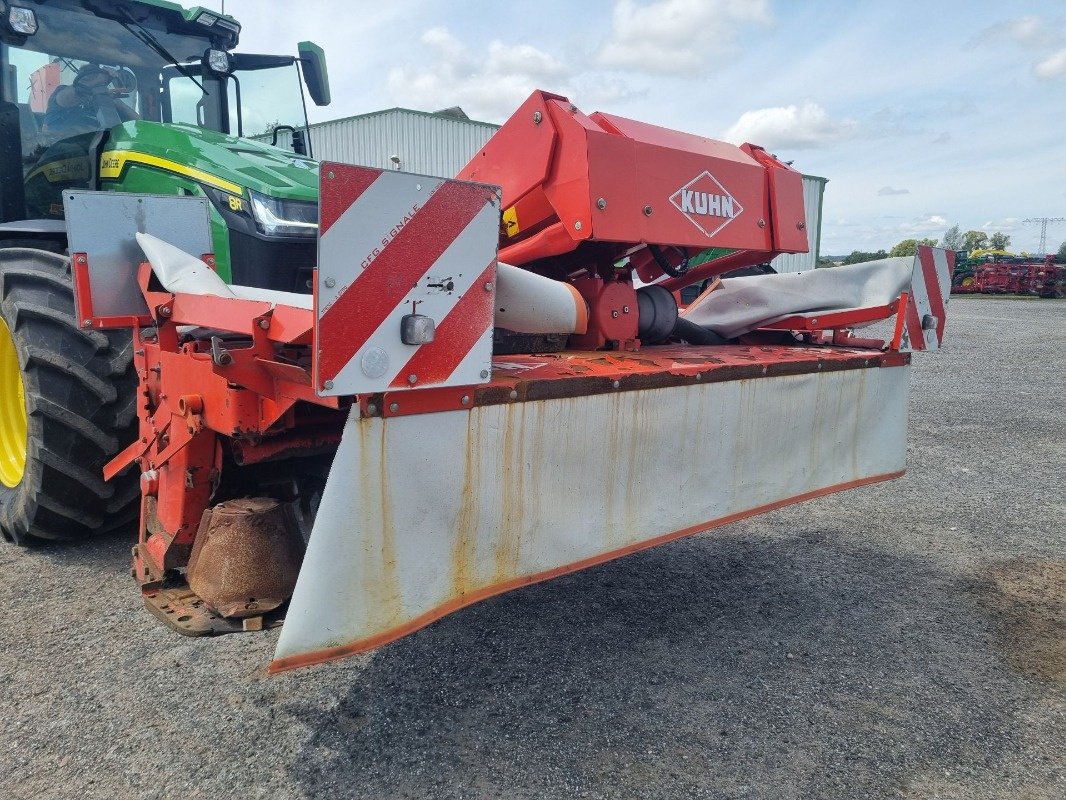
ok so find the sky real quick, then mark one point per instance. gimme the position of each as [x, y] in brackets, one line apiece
[922, 115]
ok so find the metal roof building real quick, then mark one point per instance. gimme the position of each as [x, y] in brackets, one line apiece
[437, 143]
[441, 143]
[813, 192]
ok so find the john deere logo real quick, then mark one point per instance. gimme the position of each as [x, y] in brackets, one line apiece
[706, 204]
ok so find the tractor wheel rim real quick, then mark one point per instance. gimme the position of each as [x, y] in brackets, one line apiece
[13, 426]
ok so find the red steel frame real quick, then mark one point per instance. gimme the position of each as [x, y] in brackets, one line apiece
[190, 399]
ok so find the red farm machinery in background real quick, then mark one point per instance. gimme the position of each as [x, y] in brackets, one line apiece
[1018, 275]
[493, 382]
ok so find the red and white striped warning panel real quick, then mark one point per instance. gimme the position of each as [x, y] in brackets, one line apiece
[927, 307]
[406, 281]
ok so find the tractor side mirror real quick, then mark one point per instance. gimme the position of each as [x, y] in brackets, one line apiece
[299, 142]
[313, 60]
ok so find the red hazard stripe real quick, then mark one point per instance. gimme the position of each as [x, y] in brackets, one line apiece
[914, 324]
[382, 286]
[339, 193]
[456, 336]
[932, 288]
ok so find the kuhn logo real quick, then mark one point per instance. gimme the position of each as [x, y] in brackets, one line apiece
[706, 203]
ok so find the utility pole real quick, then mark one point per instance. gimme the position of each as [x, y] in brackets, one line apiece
[1043, 222]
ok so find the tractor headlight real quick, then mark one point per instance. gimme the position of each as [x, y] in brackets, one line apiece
[22, 20]
[284, 217]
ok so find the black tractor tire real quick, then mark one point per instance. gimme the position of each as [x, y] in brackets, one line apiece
[81, 391]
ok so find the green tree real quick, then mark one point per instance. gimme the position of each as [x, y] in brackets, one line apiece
[999, 241]
[908, 247]
[859, 256]
[1062, 252]
[974, 240]
[952, 238]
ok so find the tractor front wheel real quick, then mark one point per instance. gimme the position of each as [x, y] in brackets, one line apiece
[67, 406]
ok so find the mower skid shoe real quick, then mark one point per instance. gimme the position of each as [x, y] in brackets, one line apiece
[426, 513]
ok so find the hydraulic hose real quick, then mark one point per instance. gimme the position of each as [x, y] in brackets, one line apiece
[696, 334]
[674, 272]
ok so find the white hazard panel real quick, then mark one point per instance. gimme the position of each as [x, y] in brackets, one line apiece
[406, 281]
[927, 307]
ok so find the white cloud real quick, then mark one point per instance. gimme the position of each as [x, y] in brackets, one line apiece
[886, 191]
[1031, 33]
[1000, 225]
[487, 87]
[675, 37]
[1027, 31]
[1054, 66]
[943, 138]
[794, 127]
[930, 223]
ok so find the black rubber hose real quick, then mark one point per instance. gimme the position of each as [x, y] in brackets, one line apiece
[696, 334]
[674, 272]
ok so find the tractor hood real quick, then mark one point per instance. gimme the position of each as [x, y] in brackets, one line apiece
[225, 162]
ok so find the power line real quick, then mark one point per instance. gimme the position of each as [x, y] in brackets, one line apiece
[1043, 222]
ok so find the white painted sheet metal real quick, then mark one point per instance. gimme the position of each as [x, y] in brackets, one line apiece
[424, 514]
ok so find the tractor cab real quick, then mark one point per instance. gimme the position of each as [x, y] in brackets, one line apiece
[146, 96]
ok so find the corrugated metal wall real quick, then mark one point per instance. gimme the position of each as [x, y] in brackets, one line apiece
[427, 144]
[813, 189]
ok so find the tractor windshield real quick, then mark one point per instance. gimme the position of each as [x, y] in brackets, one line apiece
[81, 72]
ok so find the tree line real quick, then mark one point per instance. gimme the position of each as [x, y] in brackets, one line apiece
[953, 239]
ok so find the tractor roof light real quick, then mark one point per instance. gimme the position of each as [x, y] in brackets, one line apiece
[22, 20]
[217, 61]
[219, 23]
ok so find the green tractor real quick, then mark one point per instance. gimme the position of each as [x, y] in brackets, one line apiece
[128, 96]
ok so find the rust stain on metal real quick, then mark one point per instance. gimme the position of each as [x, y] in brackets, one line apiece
[856, 431]
[509, 540]
[377, 535]
[640, 428]
[468, 518]
[613, 439]
[246, 557]
[388, 531]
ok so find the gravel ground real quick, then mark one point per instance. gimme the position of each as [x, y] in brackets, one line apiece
[900, 640]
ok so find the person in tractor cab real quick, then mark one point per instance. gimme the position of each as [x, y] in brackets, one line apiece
[88, 104]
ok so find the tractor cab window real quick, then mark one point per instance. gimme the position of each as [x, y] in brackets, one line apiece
[191, 98]
[268, 94]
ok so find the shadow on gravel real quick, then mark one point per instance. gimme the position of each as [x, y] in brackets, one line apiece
[107, 553]
[684, 671]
